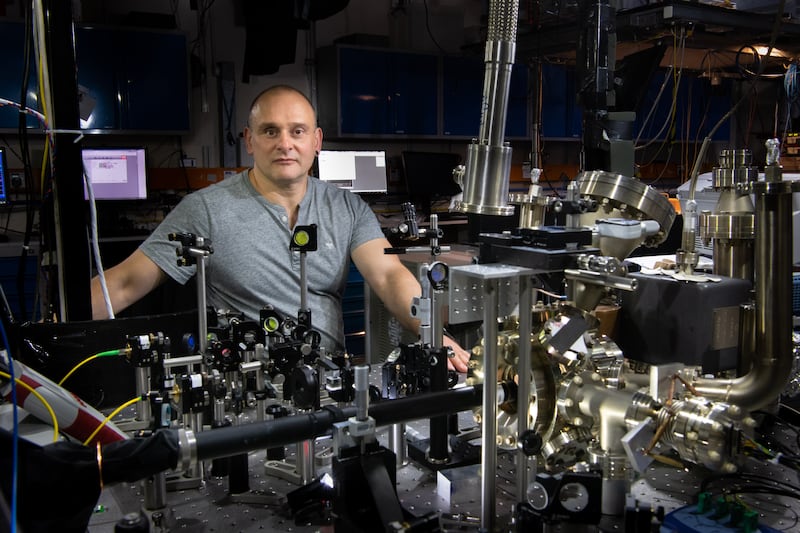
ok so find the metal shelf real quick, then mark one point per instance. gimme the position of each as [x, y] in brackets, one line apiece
[712, 26]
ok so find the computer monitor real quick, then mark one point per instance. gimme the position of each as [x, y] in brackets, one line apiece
[362, 171]
[3, 177]
[116, 173]
[429, 176]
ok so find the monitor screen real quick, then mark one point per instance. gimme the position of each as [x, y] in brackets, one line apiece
[430, 174]
[354, 170]
[116, 173]
[3, 177]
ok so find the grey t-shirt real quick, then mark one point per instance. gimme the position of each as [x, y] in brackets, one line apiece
[252, 265]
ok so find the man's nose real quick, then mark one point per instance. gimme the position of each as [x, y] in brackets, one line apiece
[284, 140]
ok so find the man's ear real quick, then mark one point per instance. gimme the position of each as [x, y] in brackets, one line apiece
[318, 140]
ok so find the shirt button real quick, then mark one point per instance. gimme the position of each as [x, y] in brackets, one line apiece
[284, 218]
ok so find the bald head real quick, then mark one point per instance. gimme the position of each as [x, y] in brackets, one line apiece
[273, 91]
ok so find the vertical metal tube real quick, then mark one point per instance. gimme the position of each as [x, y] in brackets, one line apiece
[573, 194]
[143, 412]
[772, 360]
[733, 258]
[773, 253]
[311, 61]
[202, 321]
[485, 182]
[536, 74]
[437, 318]
[747, 338]
[261, 411]
[524, 385]
[435, 249]
[686, 256]
[361, 387]
[397, 443]
[155, 491]
[499, 57]
[198, 469]
[303, 286]
[305, 461]
[489, 406]
[439, 451]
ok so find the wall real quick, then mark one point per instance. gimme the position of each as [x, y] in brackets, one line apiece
[399, 23]
[225, 38]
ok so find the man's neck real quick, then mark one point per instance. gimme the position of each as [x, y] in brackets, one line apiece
[287, 196]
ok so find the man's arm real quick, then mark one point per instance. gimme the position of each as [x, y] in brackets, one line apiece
[127, 282]
[396, 286]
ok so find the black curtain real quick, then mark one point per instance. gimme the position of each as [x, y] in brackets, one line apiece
[271, 31]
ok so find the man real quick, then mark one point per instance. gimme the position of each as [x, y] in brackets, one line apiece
[249, 219]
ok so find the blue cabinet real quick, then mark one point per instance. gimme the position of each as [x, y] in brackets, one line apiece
[15, 291]
[383, 93]
[697, 101]
[561, 115]
[12, 36]
[462, 93]
[133, 80]
[367, 91]
[128, 80]
[353, 312]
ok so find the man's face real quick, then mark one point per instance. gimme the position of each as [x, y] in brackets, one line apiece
[282, 137]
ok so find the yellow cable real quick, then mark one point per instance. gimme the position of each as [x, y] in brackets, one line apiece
[41, 399]
[43, 103]
[76, 367]
[95, 356]
[45, 159]
[114, 413]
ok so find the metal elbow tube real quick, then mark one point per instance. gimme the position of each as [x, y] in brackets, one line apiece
[772, 360]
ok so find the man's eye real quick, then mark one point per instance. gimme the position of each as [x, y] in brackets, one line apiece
[299, 131]
[270, 132]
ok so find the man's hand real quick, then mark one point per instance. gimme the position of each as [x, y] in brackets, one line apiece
[460, 358]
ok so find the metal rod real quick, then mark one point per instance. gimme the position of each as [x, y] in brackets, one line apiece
[187, 360]
[499, 58]
[439, 451]
[489, 405]
[155, 491]
[361, 386]
[143, 412]
[303, 286]
[227, 441]
[524, 381]
[305, 461]
[600, 279]
[397, 443]
[202, 319]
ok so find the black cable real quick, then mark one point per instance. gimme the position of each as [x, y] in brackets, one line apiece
[10, 148]
[185, 172]
[22, 127]
[757, 61]
[549, 183]
[169, 155]
[751, 482]
[230, 138]
[707, 139]
[428, 27]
